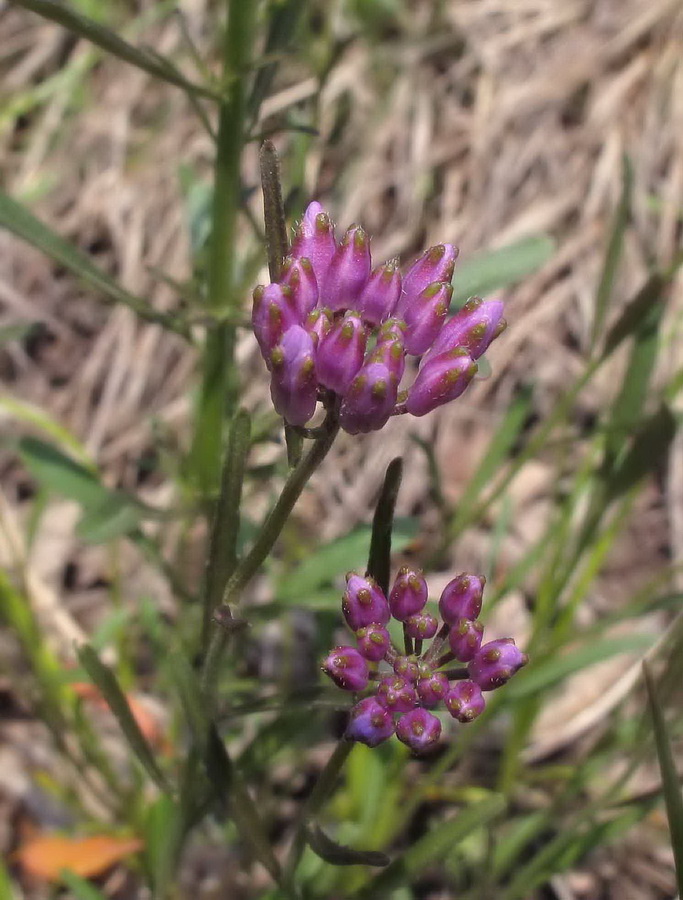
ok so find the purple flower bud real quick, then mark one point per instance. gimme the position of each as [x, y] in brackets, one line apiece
[348, 272]
[408, 594]
[373, 641]
[298, 276]
[461, 598]
[370, 400]
[318, 323]
[439, 381]
[407, 667]
[314, 239]
[391, 353]
[473, 327]
[293, 383]
[465, 639]
[392, 330]
[433, 689]
[396, 693]
[340, 353]
[425, 317]
[496, 663]
[464, 701]
[347, 668]
[380, 294]
[272, 314]
[435, 264]
[418, 729]
[422, 626]
[364, 603]
[369, 723]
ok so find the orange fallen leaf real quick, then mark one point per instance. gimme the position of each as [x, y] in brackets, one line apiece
[45, 857]
[147, 723]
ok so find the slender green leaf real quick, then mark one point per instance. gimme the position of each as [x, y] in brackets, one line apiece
[141, 57]
[550, 672]
[189, 693]
[480, 275]
[613, 255]
[17, 219]
[79, 887]
[379, 557]
[433, 847]
[648, 450]
[636, 311]
[104, 679]
[36, 417]
[225, 529]
[670, 780]
[324, 566]
[339, 855]
[273, 210]
[113, 518]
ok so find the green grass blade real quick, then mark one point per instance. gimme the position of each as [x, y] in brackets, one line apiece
[433, 847]
[17, 219]
[613, 255]
[79, 887]
[103, 677]
[670, 782]
[340, 855]
[141, 57]
[379, 558]
[480, 275]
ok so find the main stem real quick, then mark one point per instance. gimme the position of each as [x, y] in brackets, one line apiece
[217, 393]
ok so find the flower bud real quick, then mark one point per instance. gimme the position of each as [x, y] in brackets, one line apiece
[439, 381]
[473, 328]
[373, 641]
[369, 723]
[392, 330]
[380, 294]
[433, 689]
[293, 383]
[298, 276]
[391, 353]
[318, 323]
[348, 271]
[464, 701]
[464, 639]
[314, 239]
[408, 594]
[422, 626]
[347, 668]
[370, 400]
[496, 663]
[272, 314]
[461, 598]
[396, 694]
[364, 603]
[340, 353]
[425, 317]
[407, 667]
[435, 264]
[418, 729]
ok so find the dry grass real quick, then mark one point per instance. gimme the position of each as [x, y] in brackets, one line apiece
[510, 119]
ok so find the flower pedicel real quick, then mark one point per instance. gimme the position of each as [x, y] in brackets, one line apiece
[361, 325]
[401, 698]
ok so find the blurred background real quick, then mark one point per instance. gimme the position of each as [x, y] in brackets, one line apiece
[545, 139]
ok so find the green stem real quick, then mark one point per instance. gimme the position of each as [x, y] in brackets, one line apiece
[268, 534]
[322, 790]
[216, 396]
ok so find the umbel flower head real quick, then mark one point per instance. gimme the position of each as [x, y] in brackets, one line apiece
[399, 698]
[353, 327]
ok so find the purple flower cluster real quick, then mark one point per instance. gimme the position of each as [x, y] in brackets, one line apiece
[334, 326]
[418, 681]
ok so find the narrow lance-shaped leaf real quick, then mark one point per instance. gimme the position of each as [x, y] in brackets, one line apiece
[273, 209]
[222, 557]
[340, 855]
[670, 781]
[379, 559]
[613, 255]
[106, 681]
[17, 219]
[141, 57]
